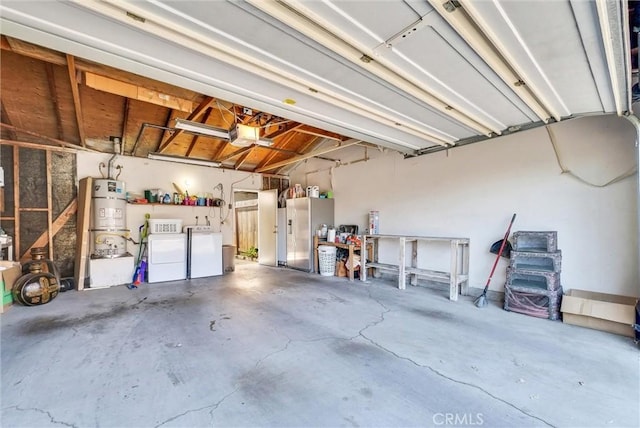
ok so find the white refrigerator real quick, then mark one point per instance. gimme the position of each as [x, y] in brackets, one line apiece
[304, 217]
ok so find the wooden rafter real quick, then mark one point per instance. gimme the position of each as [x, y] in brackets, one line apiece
[306, 129]
[244, 156]
[53, 92]
[289, 127]
[318, 152]
[195, 115]
[234, 154]
[125, 124]
[306, 148]
[75, 90]
[47, 55]
[281, 144]
[195, 138]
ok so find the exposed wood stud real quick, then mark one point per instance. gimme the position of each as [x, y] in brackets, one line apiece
[195, 115]
[54, 228]
[49, 204]
[82, 231]
[16, 200]
[47, 139]
[36, 146]
[6, 119]
[53, 92]
[71, 68]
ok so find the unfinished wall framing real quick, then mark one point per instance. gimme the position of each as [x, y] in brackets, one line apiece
[40, 201]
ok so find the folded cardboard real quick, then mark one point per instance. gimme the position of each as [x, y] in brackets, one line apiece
[600, 311]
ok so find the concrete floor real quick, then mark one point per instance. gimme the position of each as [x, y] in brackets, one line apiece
[276, 347]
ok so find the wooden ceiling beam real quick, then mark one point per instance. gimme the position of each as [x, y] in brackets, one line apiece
[195, 115]
[75, 90]
[281, 144]
[234, 154]
[284, 130]
[47, 55]
[244, 156]
[53, 92]
[306, 129]
[318, 152]
[312, 143]
[195, 138]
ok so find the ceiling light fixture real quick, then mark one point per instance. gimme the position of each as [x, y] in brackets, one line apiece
[201, 128]
[178, 159]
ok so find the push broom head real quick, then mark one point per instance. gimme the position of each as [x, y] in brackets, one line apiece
[481, 301]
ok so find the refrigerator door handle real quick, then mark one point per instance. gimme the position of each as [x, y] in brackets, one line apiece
[290, 225]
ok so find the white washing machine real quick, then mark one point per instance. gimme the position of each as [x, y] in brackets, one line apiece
[204, 251]
[167, 257]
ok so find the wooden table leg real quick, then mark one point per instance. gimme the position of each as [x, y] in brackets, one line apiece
[363, 260]
[453, 271]
[414, 261]
[401, 275]
[464, 249]
[351, 262]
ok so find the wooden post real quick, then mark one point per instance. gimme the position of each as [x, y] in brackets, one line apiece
[83, 234]
[49, 205]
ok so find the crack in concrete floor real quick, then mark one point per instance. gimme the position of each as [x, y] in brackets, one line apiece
[434, 371]
[44, 412]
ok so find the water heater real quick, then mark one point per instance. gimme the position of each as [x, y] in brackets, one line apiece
[109, 218]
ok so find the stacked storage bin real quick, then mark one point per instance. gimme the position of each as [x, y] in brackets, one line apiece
[533, 276]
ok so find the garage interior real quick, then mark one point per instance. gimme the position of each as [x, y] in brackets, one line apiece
[425, 125]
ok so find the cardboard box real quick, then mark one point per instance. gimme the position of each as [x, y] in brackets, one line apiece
[600, 311]
[9, 272]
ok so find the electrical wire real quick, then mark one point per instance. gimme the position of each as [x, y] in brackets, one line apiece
[630, 173]
[220, 107]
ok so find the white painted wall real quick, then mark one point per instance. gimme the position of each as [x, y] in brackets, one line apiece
[140, 174]
[472, 192]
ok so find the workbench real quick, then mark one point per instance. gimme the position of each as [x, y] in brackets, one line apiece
[457, 276]
[352, 248]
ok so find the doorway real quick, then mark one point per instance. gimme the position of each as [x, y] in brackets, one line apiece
[246, 224]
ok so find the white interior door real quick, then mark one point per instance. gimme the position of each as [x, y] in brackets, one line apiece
[268, 227]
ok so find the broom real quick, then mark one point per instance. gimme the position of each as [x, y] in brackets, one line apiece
[481, 301]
